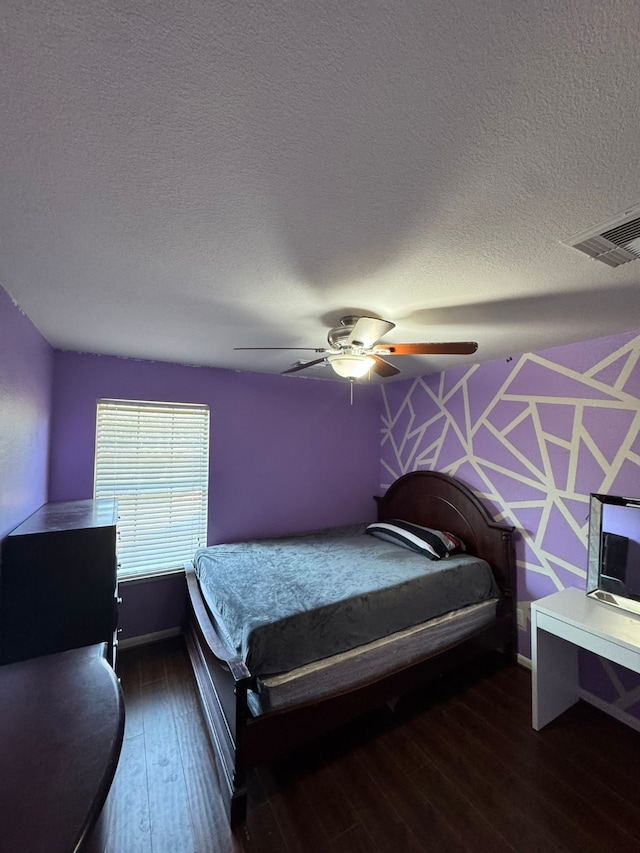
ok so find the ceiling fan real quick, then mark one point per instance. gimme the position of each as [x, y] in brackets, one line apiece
[355, 349]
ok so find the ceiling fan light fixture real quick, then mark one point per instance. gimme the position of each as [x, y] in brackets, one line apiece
[351, 366]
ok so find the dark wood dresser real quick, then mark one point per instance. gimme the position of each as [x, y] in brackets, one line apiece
[58, 581]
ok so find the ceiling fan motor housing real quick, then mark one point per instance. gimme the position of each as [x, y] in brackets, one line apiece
[338, 337]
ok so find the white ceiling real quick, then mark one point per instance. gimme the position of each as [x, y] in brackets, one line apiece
[179, 178]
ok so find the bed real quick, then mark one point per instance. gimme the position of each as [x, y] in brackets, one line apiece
[351, 643]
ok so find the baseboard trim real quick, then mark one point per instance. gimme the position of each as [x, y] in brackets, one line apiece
[610, 709]
[144, 639]
[523, 661]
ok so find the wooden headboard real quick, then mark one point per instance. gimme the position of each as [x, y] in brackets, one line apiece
[437, 500]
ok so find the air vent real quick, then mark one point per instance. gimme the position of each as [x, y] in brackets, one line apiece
[614, 243]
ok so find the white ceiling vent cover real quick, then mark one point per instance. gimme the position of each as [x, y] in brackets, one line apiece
[614, 243]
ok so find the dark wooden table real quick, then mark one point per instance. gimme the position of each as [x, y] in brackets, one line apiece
[61, 729]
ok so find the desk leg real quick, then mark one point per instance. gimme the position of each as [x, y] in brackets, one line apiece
[554, 676]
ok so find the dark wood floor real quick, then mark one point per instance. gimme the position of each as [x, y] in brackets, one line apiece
[459, 768]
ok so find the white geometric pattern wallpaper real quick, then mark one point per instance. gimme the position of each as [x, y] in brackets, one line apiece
[533, 436]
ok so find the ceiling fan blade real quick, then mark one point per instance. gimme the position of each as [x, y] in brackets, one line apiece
[383, 368]
[302, 366]
[453, 348]
[368, 330]
[310, 349]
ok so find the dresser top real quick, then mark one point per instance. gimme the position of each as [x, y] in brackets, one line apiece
[69, 515]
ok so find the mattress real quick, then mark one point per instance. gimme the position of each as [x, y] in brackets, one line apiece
[374, 660]
[287, 602]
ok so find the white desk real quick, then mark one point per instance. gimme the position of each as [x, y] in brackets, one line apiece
[561, 624]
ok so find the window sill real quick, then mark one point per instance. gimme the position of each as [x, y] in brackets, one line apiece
[145, 577]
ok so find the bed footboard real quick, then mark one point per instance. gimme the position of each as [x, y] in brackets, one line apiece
[222, 681]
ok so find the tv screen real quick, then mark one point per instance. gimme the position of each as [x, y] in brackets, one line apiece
[613, 565]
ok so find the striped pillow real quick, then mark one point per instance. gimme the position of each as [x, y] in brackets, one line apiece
[434, 544]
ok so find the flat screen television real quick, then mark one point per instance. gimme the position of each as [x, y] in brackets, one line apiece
[613, 561]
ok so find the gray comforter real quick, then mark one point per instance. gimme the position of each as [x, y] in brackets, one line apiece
[287, 602]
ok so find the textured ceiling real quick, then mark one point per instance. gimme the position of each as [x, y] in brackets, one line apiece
[179, 178]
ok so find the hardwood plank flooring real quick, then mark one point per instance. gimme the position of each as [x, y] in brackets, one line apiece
[455, 767]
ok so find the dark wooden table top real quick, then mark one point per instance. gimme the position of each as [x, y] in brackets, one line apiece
[61, 729]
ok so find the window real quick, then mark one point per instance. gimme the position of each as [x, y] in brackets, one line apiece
[154, 458]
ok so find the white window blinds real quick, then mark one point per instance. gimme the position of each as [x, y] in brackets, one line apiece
[154, 458]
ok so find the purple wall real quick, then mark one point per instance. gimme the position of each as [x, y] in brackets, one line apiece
[25, 397]
[287, 454]
[533, 436]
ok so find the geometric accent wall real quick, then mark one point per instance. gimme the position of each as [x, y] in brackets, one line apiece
[533, 437]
